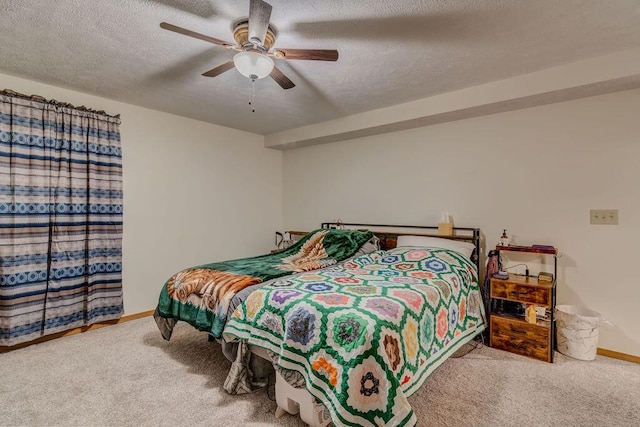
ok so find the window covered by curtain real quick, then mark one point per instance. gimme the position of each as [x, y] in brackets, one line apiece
[60, 217]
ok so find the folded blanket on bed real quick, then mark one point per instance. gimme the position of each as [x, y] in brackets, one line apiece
[201, 295]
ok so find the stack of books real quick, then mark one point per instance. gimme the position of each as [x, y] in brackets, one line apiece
[543, 247]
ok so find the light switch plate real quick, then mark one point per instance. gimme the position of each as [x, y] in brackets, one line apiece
[604, 216]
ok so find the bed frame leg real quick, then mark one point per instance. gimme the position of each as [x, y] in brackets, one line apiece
[280, 412]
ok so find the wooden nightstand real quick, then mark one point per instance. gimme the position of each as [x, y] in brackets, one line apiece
[510, 331]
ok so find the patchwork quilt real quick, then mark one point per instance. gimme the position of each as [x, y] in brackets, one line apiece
[367, 333]
[201, 295]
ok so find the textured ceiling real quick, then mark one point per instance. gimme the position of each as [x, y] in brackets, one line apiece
[391, 52]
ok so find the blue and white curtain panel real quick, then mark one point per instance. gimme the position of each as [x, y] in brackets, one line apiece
[60, 218]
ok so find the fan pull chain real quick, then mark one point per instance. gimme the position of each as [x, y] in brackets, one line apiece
[253, 94]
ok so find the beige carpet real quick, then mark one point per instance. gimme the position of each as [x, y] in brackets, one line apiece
[127, 375]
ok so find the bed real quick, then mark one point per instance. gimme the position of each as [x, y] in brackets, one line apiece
[365, 334]
[205, 295]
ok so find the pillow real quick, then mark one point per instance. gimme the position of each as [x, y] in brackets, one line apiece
[465, 248]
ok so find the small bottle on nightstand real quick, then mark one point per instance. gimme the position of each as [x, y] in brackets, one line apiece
[504, 239]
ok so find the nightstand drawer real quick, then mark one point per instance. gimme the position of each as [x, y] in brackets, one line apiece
[540, 295]
[520, 337]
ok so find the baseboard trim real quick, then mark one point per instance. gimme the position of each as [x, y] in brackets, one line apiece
[5, 348]
[618, 355]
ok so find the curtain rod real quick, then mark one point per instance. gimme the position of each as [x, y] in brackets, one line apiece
[38, 98]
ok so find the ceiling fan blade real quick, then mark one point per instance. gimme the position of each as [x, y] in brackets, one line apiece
[219, 69]
[309, 54]
[259, 15]
[281, 79]
[180, 30]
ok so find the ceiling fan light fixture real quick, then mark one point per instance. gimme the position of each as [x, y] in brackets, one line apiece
[253, 65]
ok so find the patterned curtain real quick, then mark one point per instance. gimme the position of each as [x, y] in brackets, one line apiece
[60, 217]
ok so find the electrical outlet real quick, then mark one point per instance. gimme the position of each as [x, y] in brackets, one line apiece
[604, 216]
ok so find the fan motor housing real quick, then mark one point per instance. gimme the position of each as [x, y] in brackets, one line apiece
[241, 35]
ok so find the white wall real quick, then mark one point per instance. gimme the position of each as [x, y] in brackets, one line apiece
[536, 172]
[193, 192]
[594, 76]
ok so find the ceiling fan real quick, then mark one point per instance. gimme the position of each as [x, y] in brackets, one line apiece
[254, 42]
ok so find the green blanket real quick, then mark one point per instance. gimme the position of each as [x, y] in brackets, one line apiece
[367, 333]
[201, 295]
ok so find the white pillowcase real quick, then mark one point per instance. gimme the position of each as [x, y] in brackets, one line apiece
[465, 248]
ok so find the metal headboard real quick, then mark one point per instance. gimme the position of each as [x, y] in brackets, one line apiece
[388, 239]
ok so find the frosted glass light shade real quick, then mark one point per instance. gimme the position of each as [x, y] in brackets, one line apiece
[253, 65]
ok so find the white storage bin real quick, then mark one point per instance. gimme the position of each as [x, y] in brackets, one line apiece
[294, 400]
[577, 331]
